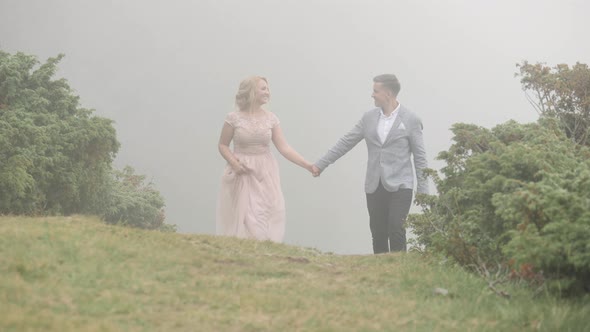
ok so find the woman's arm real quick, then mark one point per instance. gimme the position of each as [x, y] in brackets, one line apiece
[286, 150]
[227, 133]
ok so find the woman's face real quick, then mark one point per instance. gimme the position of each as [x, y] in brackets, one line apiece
[262, 92]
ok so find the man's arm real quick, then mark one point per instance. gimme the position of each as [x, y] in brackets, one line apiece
[419, 155]
[344, 144]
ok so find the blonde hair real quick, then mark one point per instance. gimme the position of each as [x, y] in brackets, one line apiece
[247, 92]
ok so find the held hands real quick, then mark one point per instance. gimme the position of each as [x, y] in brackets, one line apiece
[315, 171]
[312, 169]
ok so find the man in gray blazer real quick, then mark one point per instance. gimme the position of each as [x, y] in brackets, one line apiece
[394, 137]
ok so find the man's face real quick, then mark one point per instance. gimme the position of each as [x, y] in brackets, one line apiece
[381, 95]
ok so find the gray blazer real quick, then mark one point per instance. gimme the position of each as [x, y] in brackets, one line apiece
[389, 162]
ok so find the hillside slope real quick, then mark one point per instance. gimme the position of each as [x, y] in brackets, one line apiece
[78, 274]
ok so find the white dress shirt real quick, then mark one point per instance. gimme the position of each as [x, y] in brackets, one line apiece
[386, 122]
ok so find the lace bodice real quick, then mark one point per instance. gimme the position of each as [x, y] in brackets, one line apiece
[252, 134]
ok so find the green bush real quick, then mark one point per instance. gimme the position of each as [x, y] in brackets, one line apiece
[55, 157]
[553, 231]
[134, 202]
[516, 193]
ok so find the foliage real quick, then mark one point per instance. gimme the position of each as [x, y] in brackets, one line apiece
[515, 193]
[553, 229]
[54, 155]
[135, 203]
[560, 92]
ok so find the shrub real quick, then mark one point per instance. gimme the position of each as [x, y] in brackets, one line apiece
[55, 157]
[517, 192]
[134, 202]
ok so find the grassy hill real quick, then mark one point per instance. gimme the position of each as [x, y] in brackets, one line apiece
[78, 274]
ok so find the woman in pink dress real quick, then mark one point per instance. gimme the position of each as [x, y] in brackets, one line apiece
[251, 203]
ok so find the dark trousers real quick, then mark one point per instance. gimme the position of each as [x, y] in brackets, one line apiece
[387, 214]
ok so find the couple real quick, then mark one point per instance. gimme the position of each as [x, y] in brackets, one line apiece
[251, 203]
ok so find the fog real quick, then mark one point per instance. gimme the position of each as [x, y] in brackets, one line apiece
[167, 73]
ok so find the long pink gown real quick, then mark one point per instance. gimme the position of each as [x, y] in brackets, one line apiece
[251, 205]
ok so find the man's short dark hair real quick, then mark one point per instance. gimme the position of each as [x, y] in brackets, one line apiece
[389, 81]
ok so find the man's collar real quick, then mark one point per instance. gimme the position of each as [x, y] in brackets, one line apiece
[392, 113]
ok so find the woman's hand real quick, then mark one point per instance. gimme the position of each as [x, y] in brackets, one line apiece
[239, 167]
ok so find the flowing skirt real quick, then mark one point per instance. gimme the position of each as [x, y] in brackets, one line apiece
[251, 205]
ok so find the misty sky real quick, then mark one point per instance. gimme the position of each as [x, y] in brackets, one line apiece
[167, 72]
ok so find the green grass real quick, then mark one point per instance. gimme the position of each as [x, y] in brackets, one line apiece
[78, 274]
